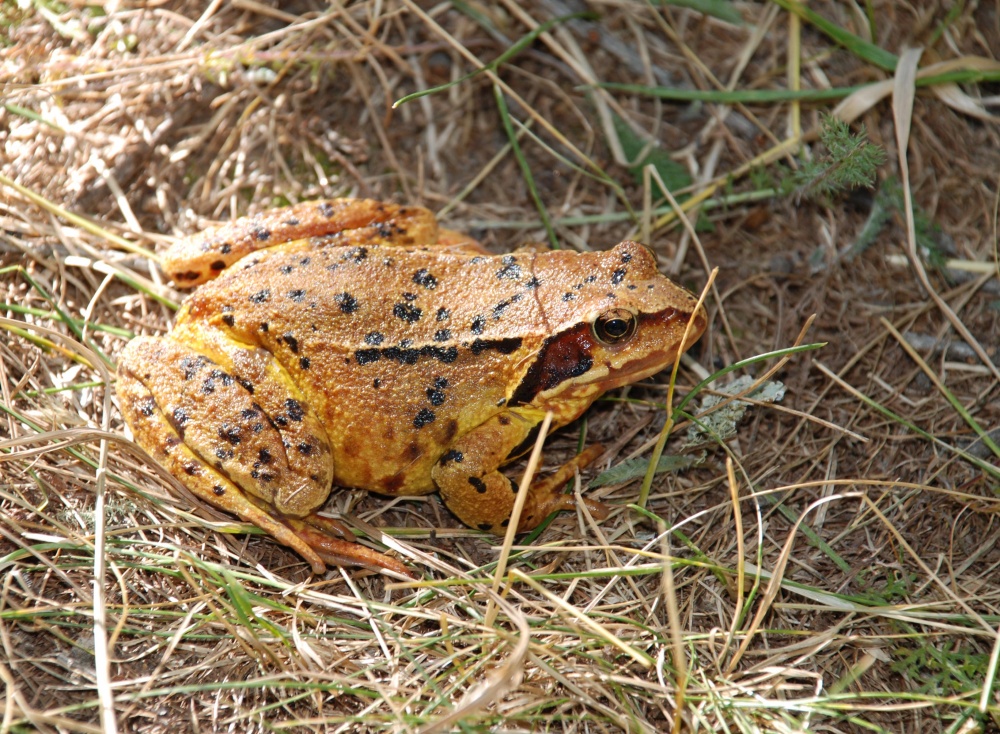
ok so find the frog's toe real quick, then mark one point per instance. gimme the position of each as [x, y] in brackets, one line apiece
[313, 530]
[545, 495]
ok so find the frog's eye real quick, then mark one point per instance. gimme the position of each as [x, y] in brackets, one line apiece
[615, 326]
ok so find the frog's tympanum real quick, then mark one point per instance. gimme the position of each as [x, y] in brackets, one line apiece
[352, 342]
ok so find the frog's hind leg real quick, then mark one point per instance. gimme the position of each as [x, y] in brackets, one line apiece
[158, 436]
[283, 415]
[155, 433]
[219, 416]
[201, 257]
[202, 425]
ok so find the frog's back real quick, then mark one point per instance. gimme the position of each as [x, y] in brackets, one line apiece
[398, 351]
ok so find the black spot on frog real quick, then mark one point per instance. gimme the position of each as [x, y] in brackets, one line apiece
[452, 455]
[406, 312]
[436, 394]
[423, 417]
[348, 303]
[508, 345]
[229, 433]
[510, 270]
[425, 278]
[291, 341]
[295, 410]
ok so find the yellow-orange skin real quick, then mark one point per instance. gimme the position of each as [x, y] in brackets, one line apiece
[352, 342]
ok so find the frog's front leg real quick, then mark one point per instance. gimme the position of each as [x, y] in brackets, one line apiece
[470, 483]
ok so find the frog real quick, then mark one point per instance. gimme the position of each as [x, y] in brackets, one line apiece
[356, 343]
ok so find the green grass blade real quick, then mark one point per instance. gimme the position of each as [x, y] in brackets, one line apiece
[678, 409]
[985, 466]
[721, 9]
[734, 96]
[864, 50]
[641, 154]
[62, 316]
[529, 178]
[772, 96]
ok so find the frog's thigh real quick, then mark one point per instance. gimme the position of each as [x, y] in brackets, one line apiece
[459, 243]
[155, 433]
[198, 258]
[306, 445]
[223, 424]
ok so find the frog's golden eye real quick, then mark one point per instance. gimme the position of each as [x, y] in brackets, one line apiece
[615, 326]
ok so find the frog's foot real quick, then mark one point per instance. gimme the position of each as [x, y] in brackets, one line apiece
[545, 495]
[315, 531]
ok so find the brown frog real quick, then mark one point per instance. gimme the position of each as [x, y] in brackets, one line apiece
[352, 342]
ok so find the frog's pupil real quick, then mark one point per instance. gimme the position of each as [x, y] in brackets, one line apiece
[614, 326]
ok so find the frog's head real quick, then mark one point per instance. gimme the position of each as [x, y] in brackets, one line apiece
[614, 320]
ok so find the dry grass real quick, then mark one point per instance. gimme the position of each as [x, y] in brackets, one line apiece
[854, 589]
